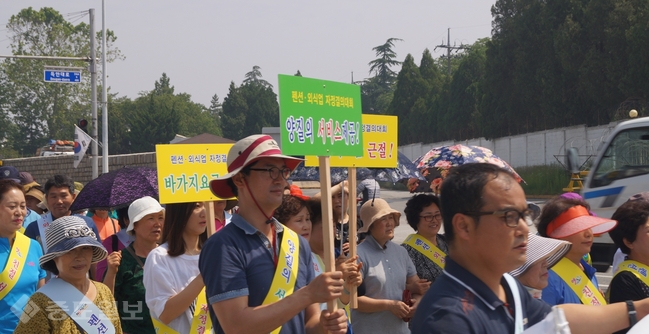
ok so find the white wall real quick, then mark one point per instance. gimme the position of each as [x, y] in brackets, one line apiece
[531, 149]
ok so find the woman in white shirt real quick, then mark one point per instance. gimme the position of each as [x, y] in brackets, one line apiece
[171, 276]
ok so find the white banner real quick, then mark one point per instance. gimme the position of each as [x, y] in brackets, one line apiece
[81, 142]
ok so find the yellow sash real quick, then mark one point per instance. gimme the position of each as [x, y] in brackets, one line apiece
[161, 328]
[578, 282]
[429, 250]
[286, 271]
[15, 264]
[640, 270]
[201, 323]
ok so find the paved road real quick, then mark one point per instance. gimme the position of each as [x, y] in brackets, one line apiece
[398, 199]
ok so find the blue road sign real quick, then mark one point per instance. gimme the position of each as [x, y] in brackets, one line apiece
[62, 76]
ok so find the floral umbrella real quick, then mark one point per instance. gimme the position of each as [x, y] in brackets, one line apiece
[405, 170]
[444, 157]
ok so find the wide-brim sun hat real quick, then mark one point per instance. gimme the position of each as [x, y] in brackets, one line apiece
[66, 234]
[245, 152]
[140, 208]
[37, 194]
[539, 248]
[373, 210]
[335, 189]
[577, 219]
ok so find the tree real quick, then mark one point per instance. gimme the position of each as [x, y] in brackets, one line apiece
[381, 67]
[152, 122]
[235, 110]
[119, 124]
[157, 116]
[377, 91]
[409, 89]
[43, 110]
[298, 74]
[216, 110]
[248, 108]
[462, 117]
[255, 77]
[163, 86]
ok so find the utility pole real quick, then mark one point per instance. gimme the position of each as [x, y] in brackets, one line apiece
[92, 60]
[448, 48]
[93, 94]
[104, 101]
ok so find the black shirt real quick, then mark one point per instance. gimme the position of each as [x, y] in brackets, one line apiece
[626, 286]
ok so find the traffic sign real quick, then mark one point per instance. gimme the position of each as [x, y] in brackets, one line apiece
[65, 76]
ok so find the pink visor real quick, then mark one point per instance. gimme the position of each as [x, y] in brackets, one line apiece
[577, 219]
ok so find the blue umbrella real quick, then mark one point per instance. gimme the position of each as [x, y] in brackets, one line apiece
[405, 170]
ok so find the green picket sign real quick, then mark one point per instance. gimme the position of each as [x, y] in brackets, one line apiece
[319, 117]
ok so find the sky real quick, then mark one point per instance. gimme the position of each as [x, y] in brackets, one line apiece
[205, 45]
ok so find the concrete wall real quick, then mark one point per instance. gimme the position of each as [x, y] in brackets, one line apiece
[42, 168]
[531, 149]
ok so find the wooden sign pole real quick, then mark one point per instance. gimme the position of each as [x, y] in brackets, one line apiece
[209, 217]
[327, 221]
[351, 176]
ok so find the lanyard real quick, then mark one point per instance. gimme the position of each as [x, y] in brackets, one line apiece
[274, 242]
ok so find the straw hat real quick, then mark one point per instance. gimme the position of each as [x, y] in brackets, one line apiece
[36, 193]
[577, 219]
[335, 189]
[245, 152]
[140, 208]
[375, 209]
[539, 248]
[66, 234]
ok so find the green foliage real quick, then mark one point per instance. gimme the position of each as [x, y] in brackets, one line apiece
[560, 63]
[155, 117]
[39, 111]
[381, 66]
[248, 108]
[255, 77]
[216, 111]
[409, 102]
[153, 121]
[544, 180]
[377, 91]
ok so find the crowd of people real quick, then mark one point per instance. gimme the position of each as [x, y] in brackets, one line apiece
[154, 269]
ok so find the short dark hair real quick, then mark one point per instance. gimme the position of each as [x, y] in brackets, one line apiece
[59, 181]
[462, 190]
[176, 217]
[416, 205]
[291, 206]
[630, 216]
[315, 207]
[122, 217]
[553, 208]
[7, 184]
[245, 171]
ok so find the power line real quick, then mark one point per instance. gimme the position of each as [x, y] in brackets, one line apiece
[448, 48]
